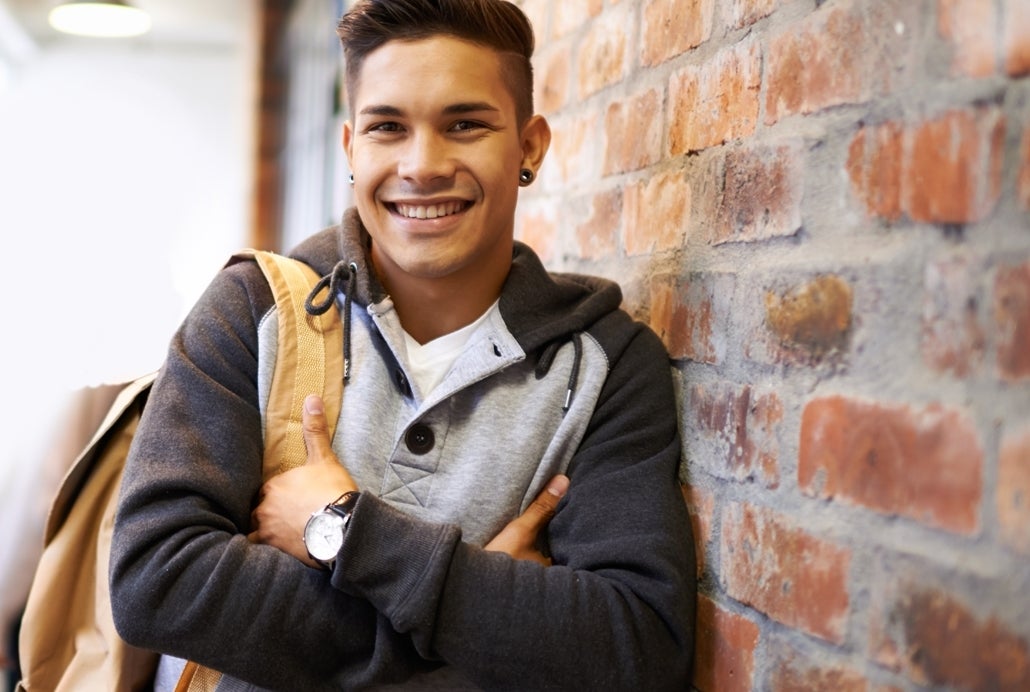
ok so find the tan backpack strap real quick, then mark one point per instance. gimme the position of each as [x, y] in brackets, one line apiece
[308, 360]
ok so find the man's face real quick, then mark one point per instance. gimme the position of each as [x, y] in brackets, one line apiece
[436, 151]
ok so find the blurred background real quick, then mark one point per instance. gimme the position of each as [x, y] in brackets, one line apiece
[131, 167]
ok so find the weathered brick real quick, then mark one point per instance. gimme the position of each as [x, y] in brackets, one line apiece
[923, 463]
[604, 52]
[937, 640]
[566, 17]
[598, 237]
[874, 168]
[741, 13]
[574, 151]
[793, 576]
[969, 28]
[1012, 320]
[953, 172]
[953, 337]
[1013, 500]
[552, 84]
[716, 101]
[1017, 37]
[657, 212]
[844, 52]
[734, 432]
[812, 319]
[538, 228]
[792, 675]
[672, 27]
[724, 654]
[634, 133]
[754, 194]
[701, 507]
[691, 314]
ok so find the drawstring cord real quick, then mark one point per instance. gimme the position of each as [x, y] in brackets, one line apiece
[332, 281]
[543, 366]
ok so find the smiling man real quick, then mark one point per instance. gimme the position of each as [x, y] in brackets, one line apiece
[499, 506]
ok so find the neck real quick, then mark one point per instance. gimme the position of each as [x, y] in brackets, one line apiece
[428, 308]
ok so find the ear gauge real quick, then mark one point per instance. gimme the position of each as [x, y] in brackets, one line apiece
[351, 179]
[526, 177]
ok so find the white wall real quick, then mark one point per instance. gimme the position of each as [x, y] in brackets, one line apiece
[125, 176]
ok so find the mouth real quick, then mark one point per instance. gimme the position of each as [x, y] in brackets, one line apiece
[429, 211]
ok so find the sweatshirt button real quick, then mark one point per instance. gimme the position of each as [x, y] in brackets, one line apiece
[420, 438]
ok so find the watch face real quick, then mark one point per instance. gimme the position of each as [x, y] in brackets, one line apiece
[323, 535]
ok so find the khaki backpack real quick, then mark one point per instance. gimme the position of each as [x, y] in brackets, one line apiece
[68, 641]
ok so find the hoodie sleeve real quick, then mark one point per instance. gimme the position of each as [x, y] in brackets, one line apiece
[614, 612]
[184, 578]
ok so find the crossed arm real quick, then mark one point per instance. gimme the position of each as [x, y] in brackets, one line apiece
[287, 500]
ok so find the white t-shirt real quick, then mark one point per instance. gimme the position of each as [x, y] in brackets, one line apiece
[429, 363]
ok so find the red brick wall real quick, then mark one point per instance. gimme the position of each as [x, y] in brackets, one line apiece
[823, 207]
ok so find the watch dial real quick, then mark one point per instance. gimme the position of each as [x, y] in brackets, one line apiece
[324, 535]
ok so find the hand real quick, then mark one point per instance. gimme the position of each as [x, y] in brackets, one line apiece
[518, 538]
[288, 500]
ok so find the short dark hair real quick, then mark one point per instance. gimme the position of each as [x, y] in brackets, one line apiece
[495, 24]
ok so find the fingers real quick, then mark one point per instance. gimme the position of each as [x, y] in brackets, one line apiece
[316, 432]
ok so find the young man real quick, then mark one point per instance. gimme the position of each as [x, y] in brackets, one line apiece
[477, 382]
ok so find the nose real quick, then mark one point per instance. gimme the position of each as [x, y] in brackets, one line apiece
[425, 157]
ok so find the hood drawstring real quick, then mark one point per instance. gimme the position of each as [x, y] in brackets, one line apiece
[547, 359]
[332, 280]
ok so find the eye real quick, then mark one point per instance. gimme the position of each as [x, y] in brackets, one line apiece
[467, 126]
[388, 126]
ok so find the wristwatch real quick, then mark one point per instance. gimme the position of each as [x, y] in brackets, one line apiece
[323, 534]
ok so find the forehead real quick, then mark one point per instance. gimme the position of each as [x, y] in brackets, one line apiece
[404, 74]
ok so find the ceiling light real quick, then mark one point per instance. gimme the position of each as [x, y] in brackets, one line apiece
[110, 19]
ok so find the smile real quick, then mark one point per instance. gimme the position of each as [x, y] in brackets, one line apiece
[430, 211]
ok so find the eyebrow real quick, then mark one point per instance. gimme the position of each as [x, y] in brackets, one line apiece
[453, 109]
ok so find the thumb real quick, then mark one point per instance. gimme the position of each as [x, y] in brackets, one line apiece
[316, 432]
[541, 510]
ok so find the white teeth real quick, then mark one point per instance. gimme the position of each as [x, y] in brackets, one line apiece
[433, 211]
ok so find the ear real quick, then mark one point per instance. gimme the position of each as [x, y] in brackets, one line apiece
[536, 139]
[348, 142]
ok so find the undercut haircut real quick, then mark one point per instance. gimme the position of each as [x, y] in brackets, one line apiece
[495, 24]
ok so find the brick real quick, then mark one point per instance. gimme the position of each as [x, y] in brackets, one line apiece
[952, 174]
[633, 130]
[756, 194]
[552, 86]
[791, 675]
[716, 101]
[937, 640]
[604, 53]
[741, 13]
[1024, 171]
[814, 318]
[574, 151]
[874, 168]
[794, 577]
[1017, 37]
[538, 228]
[691, 315]
[701, 508]
[566, 17]
[598, 237]
[724, 654]
[922, 463]
[953, 337]
[1012, 321]
[733, 432]
[843, 53]
[657, 212]
[672, 27]
[1013, 497]
[969, 28]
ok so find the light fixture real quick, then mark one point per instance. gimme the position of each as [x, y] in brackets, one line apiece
[108, 18]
